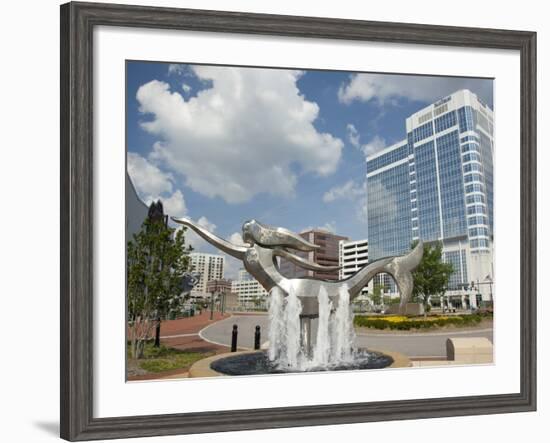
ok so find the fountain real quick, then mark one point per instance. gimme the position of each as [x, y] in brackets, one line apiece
[311, 321]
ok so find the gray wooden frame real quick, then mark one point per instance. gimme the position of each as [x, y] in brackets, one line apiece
[77, 23]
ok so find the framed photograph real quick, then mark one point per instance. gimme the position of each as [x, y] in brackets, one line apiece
[274, 221]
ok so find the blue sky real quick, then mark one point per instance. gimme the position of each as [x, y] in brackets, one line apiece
[225, 144]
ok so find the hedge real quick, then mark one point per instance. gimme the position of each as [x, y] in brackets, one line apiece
[406, 323]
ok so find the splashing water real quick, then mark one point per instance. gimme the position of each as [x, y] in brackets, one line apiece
[321, 353]
[293, 310]
[276, 323]
[344, 334]
[335, 333]
[284, 329]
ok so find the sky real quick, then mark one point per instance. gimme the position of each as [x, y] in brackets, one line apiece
[223, 144]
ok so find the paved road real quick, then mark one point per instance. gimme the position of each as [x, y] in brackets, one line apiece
[427, 344]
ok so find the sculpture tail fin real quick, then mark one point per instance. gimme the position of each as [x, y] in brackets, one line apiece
[411, 260]
[401, 268]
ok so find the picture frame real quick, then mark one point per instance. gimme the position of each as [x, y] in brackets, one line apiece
[78, 21]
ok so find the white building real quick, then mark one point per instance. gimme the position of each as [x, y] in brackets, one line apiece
[437, 185]
[210, 267]
[244, 275]
[248, 290]
[352, 256]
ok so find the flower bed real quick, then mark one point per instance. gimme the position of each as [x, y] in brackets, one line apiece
[406, 323]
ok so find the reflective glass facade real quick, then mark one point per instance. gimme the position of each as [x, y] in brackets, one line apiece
[387, 159]
[389, 211]
[427, 192]
[451, 186]
[436, 185]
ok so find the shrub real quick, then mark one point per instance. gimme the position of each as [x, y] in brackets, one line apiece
[406, 323]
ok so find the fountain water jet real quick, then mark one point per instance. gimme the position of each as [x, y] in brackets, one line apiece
[276, 322]
[293, 343]
[321, 353]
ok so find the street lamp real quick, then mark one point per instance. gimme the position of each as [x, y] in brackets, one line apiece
[486, 281]
[223, 303]
[212, 303]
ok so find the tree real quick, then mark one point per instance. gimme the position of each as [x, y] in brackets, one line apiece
[376, 296]
[431, 277]
[157, 259]
[257, 301]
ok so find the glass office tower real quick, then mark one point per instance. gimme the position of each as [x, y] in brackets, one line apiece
[437, 185]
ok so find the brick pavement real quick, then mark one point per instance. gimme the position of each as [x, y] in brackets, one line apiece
[189, 325]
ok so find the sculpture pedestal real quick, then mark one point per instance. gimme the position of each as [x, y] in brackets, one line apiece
[308, 333]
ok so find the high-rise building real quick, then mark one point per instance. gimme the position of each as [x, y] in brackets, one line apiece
[437, 184]
[210, 267]
[244, 275]
[325, 255]
[250, 293]
[352, 256]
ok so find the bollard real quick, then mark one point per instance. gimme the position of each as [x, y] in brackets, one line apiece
[257, 336]
[157, 334]
[234, 339]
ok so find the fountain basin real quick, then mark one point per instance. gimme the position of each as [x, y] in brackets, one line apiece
[257, 363]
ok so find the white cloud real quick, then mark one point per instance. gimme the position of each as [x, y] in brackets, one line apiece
[176, 69]
[353, 135]
[384, 88]
[186, 88]
[375, 145]
[355, 192]
[203, 222]
[231, 267]
[198, 243]
[174, 205]
[329, 226]
[236, 238]
[147, 178]
[153, 184]
[349, 190]
[239, 137]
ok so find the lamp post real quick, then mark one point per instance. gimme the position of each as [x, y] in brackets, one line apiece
[212, 303]
[487, 281]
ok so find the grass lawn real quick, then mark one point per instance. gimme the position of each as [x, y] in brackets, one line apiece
[164, 359]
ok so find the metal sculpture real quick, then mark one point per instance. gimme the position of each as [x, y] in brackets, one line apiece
[263, 244]
[188, 281]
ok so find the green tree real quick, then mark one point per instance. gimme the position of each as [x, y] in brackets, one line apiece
[376, 296]
[431, 277]
[157, 258]
[257, 302]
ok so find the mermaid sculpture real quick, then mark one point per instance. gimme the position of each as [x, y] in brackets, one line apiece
[263, 244]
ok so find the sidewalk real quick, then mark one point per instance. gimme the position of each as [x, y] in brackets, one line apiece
[189, 325]
[184, 332]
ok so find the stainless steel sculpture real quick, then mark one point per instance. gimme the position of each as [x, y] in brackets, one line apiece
[263, 244]
[188, 281]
